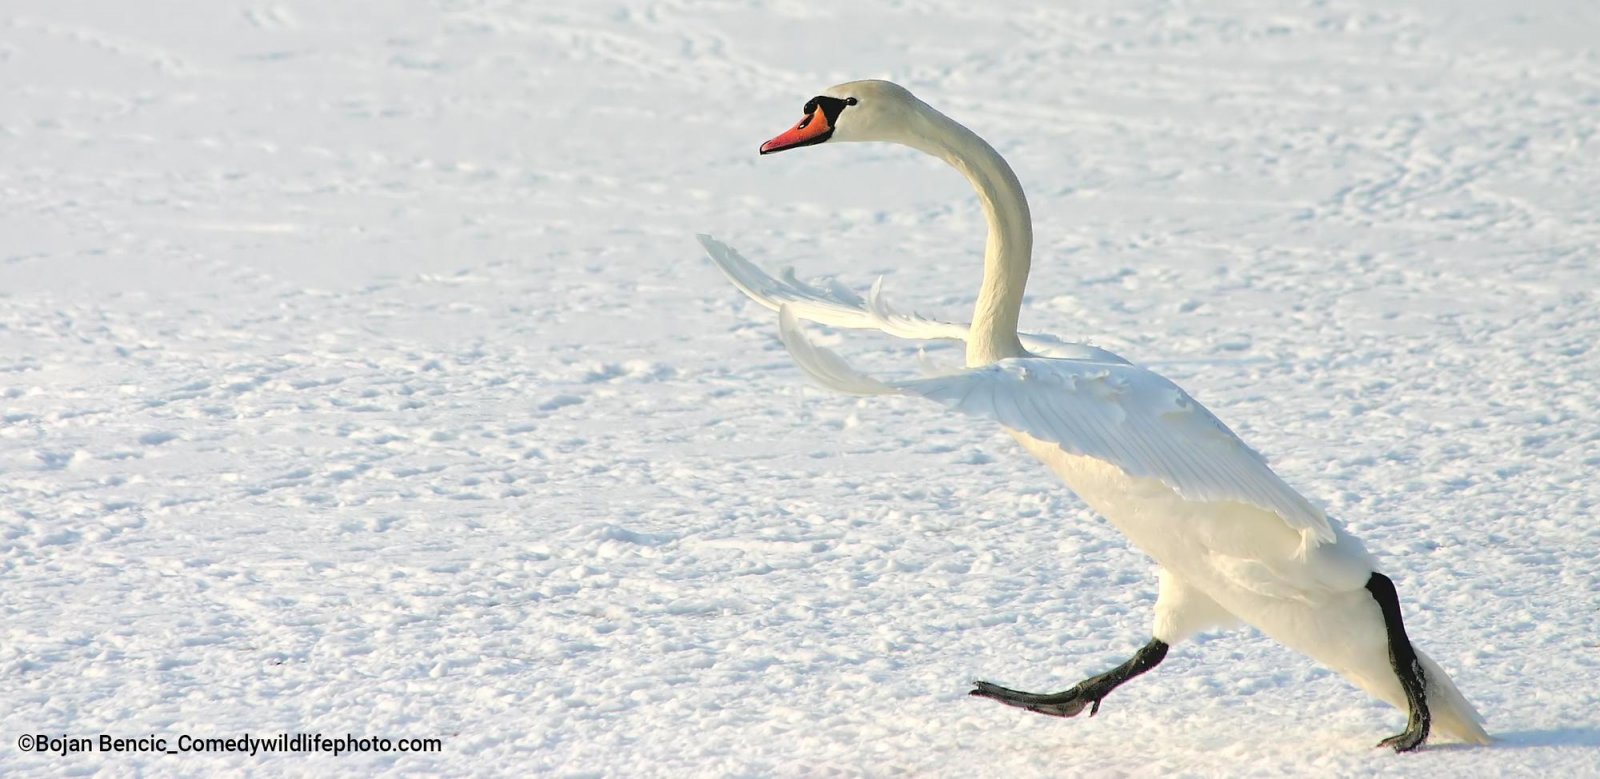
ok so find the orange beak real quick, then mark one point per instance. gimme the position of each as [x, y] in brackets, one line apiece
[815, 128]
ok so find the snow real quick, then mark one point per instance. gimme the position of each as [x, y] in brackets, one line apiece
[361, 374]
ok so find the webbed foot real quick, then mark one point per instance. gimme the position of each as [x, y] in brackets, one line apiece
[1406, 741]
[1068, 703]
[1087, 693]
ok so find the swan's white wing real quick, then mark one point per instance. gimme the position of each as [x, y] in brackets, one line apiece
[839, 307]
[835, 306]
[1114, 412]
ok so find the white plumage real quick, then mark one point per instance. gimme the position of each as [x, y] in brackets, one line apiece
[837, 306]
[1234, 541]
[1114, 412]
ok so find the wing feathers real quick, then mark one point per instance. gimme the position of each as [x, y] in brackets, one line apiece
[827, 368]
[1118, 413]
[837, 306]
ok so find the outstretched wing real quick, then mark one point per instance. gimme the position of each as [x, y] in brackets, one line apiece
[1114, 412]
[837, 306]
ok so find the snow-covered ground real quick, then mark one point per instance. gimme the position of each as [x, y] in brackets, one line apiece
[359, 374]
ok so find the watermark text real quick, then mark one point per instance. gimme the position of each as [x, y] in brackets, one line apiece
[64, 744]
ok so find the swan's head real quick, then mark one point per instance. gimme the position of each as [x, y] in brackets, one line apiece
[854, 111]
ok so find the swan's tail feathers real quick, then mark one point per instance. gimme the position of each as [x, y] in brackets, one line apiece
[1452, 714]
[834, 305]
[823, 366]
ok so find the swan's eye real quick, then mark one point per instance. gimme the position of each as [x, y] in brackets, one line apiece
[850, 101]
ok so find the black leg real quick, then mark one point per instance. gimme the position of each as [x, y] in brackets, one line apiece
[1404, 660]
[1088, 692]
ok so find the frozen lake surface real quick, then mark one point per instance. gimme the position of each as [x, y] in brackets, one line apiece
[360, 374]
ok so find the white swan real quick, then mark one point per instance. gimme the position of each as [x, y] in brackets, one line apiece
[1233, 541]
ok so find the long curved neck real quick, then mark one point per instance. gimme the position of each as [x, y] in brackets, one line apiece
[1009, 249]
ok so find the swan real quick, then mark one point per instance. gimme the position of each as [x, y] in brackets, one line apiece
[1232, 541]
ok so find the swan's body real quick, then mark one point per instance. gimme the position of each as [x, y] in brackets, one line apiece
[1234, 542]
